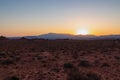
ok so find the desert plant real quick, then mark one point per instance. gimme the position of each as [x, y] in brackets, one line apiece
[84, 63]
[93, 76]
[105, 65]
[68, 65]
[12, 78]
[7, 62]
[75, 74]
[75, 55]
[97, 62]
[2, 54]
[117, 57]
[56, 69]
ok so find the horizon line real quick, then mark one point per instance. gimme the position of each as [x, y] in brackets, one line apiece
[63, 34]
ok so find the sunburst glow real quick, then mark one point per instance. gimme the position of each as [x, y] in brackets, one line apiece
[82, 31]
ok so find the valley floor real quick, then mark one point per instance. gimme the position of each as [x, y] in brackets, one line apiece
[59, 60]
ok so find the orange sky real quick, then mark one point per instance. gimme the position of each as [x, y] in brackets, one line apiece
[24, 17]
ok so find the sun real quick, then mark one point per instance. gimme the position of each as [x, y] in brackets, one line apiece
[82, 32]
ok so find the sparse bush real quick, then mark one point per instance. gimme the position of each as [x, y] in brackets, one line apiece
[32, 49]
[7, 62]
[2, 55]
[117, 57]
[12, 78]
[56, 69]
[75, 74]
[38, 57]
[84, 63]
[93, 76]
[68, 65]
[42, 50]
[97, 62]
[105, 65]
[75, 55]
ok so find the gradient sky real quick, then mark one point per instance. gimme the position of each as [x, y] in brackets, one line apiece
[35, 17]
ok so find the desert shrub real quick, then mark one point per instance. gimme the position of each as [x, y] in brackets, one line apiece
[68, 65]
[56, 69]
[93, 76]
[97, 62]
[42, 50]
[105, 65]
[7, 62]
[57, 56]
[75, 55]
[12, 78]
[84, 63]
[15, 57]
[2, 54]
[32, 49]
[117, 57]
[53, 59]
[75, 74]
[43, 61]
[38, 57]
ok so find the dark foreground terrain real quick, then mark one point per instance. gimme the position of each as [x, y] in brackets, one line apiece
[59, 60]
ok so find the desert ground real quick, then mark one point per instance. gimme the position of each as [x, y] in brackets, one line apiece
[38, 59]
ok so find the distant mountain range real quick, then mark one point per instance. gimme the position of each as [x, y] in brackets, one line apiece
[69, 36]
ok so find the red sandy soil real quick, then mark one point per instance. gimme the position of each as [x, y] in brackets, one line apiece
[59, 60]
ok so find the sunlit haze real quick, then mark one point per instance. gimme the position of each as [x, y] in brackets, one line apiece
[82, 31]
[35, 17]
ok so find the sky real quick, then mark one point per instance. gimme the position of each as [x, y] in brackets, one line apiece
[35, 17]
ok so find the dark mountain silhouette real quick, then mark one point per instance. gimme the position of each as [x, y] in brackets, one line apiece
[69, 36]
[3, 38]
[56, 36]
